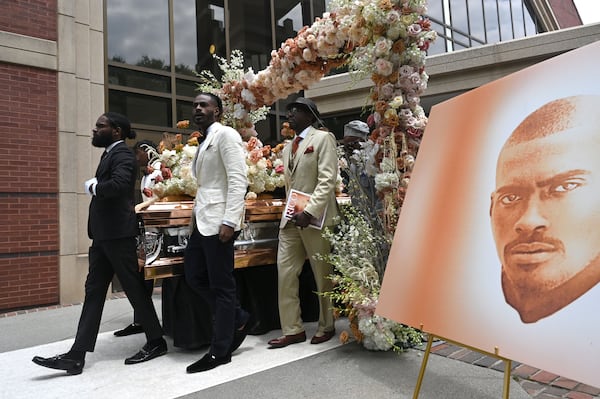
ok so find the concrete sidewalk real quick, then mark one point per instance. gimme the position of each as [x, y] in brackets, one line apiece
[328, 370]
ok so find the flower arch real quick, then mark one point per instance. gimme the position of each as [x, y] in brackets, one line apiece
[385, 40]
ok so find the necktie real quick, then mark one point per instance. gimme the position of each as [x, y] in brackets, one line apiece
[295, 144]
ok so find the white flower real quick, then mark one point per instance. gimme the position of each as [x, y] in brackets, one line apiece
[248, 96]
[182, 181]
[386, 180]
[189, 151]
[239, 112]
[308, 55]
[382, 46]
[414, 29]
[397, 102]
[249, 76]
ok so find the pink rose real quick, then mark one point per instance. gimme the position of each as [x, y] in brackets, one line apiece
[384, 67]
[255, 155]
[166, 173]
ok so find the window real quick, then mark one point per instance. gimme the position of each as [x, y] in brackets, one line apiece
[141, 109]
[138, 38]
[470, 23]
[120, 76]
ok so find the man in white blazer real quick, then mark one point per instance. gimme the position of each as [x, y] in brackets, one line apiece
[220, 170]
[310, 163]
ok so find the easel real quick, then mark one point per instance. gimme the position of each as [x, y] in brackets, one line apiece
[507, 365]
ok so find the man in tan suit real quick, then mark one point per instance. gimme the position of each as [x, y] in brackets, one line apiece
[310, 162]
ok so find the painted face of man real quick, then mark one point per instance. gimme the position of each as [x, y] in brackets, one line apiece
[545, 220]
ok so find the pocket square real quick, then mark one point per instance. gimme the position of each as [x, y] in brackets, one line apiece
[309, 150]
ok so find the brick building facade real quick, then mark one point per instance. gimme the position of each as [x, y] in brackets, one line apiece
[51, 89]
[29, 238]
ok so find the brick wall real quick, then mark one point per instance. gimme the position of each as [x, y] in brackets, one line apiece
[29, 232]
[35, 18]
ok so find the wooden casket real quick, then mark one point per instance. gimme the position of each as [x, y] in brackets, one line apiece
[166, 226]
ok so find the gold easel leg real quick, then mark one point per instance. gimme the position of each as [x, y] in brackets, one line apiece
[423, 366]
[507, 367]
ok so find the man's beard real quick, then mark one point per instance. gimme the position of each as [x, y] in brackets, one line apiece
[101, 141]
[535, 303]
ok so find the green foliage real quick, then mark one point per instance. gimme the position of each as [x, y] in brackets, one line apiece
[357, 284]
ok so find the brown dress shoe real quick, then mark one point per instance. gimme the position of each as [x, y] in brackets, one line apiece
[323, 338]
[286, 340]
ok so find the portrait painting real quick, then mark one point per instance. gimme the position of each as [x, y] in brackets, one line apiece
[497, 245]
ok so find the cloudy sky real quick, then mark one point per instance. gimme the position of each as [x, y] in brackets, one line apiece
[589, 10]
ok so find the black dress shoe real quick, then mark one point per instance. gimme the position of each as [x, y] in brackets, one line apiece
[238, 337]
[147, 353]
[208, 362]
[59, 362]
[259, 329]
[131, 329]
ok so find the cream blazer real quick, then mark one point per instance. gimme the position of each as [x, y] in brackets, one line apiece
[220, 170]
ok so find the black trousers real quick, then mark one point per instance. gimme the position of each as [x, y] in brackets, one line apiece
[149, 284]
[106, 258]
[208, 265]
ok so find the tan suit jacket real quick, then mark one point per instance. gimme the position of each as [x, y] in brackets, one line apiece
[313, 170]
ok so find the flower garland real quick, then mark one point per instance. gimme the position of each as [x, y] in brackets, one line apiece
[384, 39]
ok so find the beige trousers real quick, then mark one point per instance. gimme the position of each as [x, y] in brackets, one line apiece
[295, 245]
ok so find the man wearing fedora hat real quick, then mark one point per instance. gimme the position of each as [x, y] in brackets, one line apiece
[310, 163]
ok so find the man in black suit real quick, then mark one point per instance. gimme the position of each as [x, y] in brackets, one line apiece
[112, 226]
[148, 180]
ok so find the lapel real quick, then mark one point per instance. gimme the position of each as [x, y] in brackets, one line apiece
[214, 130]
[103, 164]
[302, 146]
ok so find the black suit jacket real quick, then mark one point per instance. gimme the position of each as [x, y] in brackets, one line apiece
[112, 213]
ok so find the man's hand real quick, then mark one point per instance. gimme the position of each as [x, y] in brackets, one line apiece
[302, 219]
[89, 185]
[225, 233]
